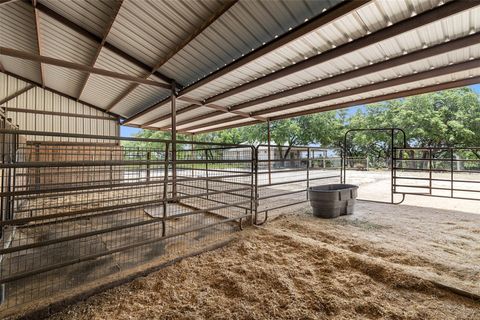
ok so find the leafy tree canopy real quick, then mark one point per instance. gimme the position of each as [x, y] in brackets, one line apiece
[440, 119]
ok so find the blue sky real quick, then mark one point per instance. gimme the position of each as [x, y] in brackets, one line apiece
[476, 88]
[127, 131]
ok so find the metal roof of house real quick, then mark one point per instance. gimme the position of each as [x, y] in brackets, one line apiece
[234, 63]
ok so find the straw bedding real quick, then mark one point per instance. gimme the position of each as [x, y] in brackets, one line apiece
[287, 270]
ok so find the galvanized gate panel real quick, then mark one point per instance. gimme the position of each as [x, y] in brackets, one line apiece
[82, 215]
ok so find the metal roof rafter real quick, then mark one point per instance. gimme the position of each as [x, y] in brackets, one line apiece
[60, 93]
[333, 13]
[80, 67]
[106, 31]
[359, 90]
[403, 26]
[369, 69]
[38, 39]
[16, 94]
[386, 97]
[221, 10]
[328, 16]
[463, 66]
[72, 25]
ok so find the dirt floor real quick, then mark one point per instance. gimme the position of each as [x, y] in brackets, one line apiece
[376, 185]
[377, 263]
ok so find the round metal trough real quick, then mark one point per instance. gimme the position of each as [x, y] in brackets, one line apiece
[332, 200]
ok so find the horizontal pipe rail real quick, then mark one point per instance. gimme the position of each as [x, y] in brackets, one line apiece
[112, 251]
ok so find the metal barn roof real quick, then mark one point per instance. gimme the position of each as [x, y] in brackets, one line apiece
[233, 63]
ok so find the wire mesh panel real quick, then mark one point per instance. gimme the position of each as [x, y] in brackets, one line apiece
[285, 173]
[437, 172]
[80, 214]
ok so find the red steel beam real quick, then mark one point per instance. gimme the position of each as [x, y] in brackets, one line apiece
[60, 93]
[384, 65]
[386, 97]
[147, 110]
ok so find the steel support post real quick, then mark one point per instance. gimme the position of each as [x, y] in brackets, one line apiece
[174, 140]
[269, 154]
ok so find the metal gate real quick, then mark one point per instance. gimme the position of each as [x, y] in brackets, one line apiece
[284, 174]
[81, 212]
[437, 172]
[392, 134]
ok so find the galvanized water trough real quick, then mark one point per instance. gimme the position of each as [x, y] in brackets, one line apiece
[332, 200]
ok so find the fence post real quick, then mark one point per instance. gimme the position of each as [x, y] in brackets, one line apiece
[149, 157]
[206, 172]
[451, 172]
[308, 170]
[430, 171]
[37, 170]
[165, 190]
[255, 188]
[269, 155]
[14, 177]
[2, 204]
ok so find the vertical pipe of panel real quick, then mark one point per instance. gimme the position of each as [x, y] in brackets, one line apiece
[193, 152]
[14, 176]
[451, 172]
[308, 170]
[149, 157]
[255, 194]
[2, 205]
[392, 166]
[174, 139]
[430, 170]
[269, 154]
[165, 190]
[206, 172]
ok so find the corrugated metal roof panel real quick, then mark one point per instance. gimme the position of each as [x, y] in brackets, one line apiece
[17, 31]
[363, 95]
[160, 110]
[246, 26]
[150, 30]
[368, 18]
[182, 117]
[10, 85]
[100, 90]
[431, 34]
[407, 86]
[418, 66]
[233, 123]
[91, 15]
[223, 116]
[65, 44]
[139, 99]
